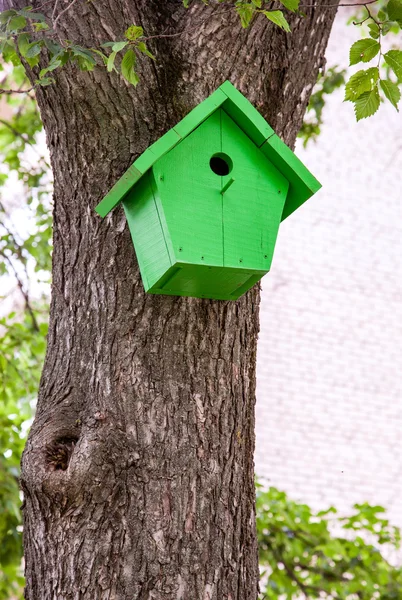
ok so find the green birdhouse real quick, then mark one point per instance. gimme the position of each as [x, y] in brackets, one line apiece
[204, 203]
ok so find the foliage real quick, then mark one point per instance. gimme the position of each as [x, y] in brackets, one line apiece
[367, 87]
[31, 38]
[323, 555]
[327, 83]
[28, 37]
[22, 353]
[24, 255]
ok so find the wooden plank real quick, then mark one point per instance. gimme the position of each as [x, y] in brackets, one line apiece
[190, 198]
[118, 191]
[245, 115]
[253, 204]
[146, 232]
[199, 281]
[248, 284]
[302, 183]
[157, 150]
[200, 113]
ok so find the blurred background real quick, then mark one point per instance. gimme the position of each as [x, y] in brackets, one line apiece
[329, 397]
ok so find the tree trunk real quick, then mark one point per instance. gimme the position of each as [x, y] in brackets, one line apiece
[138, 473]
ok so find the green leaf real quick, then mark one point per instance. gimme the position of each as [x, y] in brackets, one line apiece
[16, 23]
[99, 53]
[34, 16]
[54, 48]
[33, 62]
[143, 48]
[134, 32]
[292, 5]
[64, 57]
[39, 26]
[45, 81]
[23, 43]
[374, 30]
[127, 67]
[367, 104]
[117, 46]
[84, 64]
[33, 49]
[391, 91]
[276, 16]
[360, 82]
[6, 15]
[7, 49]
[363, 51]
[83, 53]
[246, 12]
[110, 62]
[54, 64]
[394, 10]
[393, 58]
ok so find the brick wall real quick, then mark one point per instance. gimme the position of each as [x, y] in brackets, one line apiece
[329, 397]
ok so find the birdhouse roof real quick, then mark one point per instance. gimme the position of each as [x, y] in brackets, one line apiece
[302, 184]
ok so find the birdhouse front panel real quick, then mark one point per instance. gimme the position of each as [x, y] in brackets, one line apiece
[252, 206]
[188, 194]
[204, 203]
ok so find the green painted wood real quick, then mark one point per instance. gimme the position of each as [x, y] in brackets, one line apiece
[245, 115]
[220, 244]
[253, 125]
[118, 191]
[302, 184]
[147, 232]
[190, 198]
[157, 150]
[200, 113]
[253, 205]
[199, 281]
[207, 228]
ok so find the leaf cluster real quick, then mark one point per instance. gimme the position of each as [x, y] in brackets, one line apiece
[27, 37]
[247, 10]
[322, 554]
[366, 88]
[24, 256]
[133, 41]
[22, 353]
[327, 83]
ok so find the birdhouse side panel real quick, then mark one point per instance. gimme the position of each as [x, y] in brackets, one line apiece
[147, 232]
[253, 204]
[302, 183]
[188, 193]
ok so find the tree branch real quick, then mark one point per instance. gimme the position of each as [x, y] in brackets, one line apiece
[27, 140]
[62, 12]
[337, 5]
[22, 290]
[9, 92]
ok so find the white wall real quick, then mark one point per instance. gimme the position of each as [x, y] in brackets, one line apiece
[329, 397]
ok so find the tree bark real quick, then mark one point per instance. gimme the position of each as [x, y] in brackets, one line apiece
[138, 474]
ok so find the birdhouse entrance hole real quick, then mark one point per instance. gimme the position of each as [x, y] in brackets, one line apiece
[221, 164]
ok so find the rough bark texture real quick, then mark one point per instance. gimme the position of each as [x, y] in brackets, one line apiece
[138, 472]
